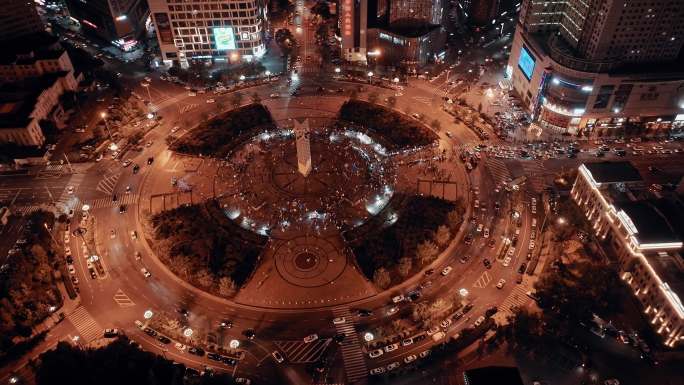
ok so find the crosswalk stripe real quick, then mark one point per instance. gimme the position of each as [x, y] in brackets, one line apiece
[86, 326]
[122, 299]
[498, 170]
[126, 199]
[107, 184]
[352, 354]
[301, 352]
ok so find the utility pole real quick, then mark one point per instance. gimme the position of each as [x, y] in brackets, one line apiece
[71, 168]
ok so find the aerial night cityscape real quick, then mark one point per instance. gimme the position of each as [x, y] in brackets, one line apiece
[329, 192]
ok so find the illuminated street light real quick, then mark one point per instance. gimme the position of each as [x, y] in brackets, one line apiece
[370, 74]
[267, 73]
[561, 221]
[242, 77]
[187, 332]
[148, 314]
[103, 115]
[338, 70]
[368, 337]
[13, 380]
[396, 80]
[150, 116]
[234, 344]
[113, 147]
[463, 292]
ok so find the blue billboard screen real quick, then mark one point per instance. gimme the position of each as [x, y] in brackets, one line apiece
[224, 38]
[526, 63]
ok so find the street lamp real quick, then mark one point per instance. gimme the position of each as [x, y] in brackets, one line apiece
[187, 332]
[103, 115]
[368, 337]
[148, 314]
[268, 73]
[242, 78]
[234, 344]
[338, 70]
[149, 95]
[395, 80]
[561, 221]
[370, 77]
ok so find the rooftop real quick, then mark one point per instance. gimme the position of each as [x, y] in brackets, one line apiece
[28, 49]
[493, 375]
[17, 100]
[652, 226]
[613, 172]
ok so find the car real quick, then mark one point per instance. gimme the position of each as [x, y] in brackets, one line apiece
[122, 209]
[414, 295]
[277, 356]
[501, 283]
[174, 129]
[464, 259]
[71, 269]
[438, 336]
[398, 298]
[310, 338]
[506, 261]
[229, 361]
[126, 162]
[249, 333]
[111, 333]
[375, 353]
[242, 380]
[519, 279]
[148, 79]
[424, 353]
[66, 239]
[479, 228]
[274, 96]
[432, 330]
[134, 234]
[226, 324]
[391, 347]
[479, 321]
[392, 310]
[531, 245]
[522, 268]
[196, 351]
[114, 198]
[146, 273]
[445, 323]
[216, 357]
[429, 271]
[180, 347]
[192, 94]
[70, 189]
[150, 332]
[611, 381]
[407, 342]
[486, 233]
[410, 358]
[339, 337]
[338, 320]
[446, 270]
[392, 366]
[486, 263]
[149, 143]
[376, 371]
[210, 101]
[364, 313]
[93, 275]
[164, 340]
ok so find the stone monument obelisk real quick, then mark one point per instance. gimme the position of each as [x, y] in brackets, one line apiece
[301, 129]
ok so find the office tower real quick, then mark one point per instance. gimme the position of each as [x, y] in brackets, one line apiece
[19, 18]
[354, 29]
[209, 29]
[601, 67]
[120, 22]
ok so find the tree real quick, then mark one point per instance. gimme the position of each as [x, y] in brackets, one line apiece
[236, 99]
[443, 235]
[354, 94]
[381, 278]
[405, 265]
[286, 42]
[321, 9]
[256, 98]
[435, 124]
[373, 97]
[226, 287]
[391, 101]
[426, 252]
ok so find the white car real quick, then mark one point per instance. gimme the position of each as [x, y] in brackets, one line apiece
[192, 94]
[445, 323]
[210, 101]
[409, 359]
[148, 144]
[501, 283]
[148, 79]
[398, 298]
[174, 129]
[531, 246]
[407, 342]
[486, 233]
[242, 380]
[134, 234]
[275, 96]
[126, 162]
[70, 189]
[66, 238]
[446, 270]
[433, 330]
[424, 353]
[392, 366]
[479, 228]
[310, 338]
[391, 348]
[379, 370]
[375, 353]
[180, 346]
[479, 321]
[338, 320]
[392, 310]
[506, 261]
[277, 356]
[145, 272]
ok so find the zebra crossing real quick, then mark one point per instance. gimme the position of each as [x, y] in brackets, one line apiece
[69, 201]
[483, 280]
[188, 107]
[107, 184]
[516, 298]
[299, 352]
[354, 360]
[122, 299]
[27, 210]
[498, 170]
[86, 326]
[126, 199]
[536, 173]
[423, 99]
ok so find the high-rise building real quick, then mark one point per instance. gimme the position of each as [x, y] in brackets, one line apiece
[601, 67]
[354, 29]
[120, 22]
[216, 30]
[19, 18]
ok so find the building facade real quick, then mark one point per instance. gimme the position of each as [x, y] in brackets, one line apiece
[209, 30]
[120, 22]
[35, 64]
[642, 238]
[19, 18]
[582, 68]
[353, 21]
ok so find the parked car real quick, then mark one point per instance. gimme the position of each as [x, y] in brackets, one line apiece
[310, 338]
[375, 353]
[446, 270]
[278, 357]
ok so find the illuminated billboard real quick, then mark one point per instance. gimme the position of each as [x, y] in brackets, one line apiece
[526, 63]
[224, 38]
